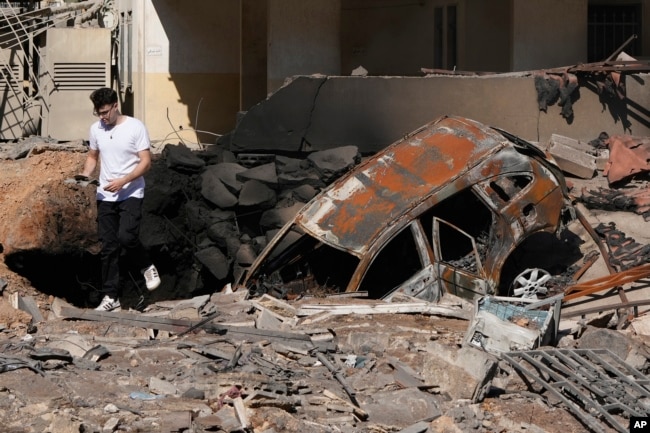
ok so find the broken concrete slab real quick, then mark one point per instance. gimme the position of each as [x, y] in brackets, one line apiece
[215, 191]
[181, 158]
[571, 160]
[463, 374]
[332, 163]
[265, 174]
[215, 261]
[258, 194]
[285, 129]
[401, 408]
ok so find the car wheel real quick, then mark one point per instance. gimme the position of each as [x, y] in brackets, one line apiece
[530, 283]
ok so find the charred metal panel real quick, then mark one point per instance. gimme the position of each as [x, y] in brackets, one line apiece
[490, 186]
[355, 210]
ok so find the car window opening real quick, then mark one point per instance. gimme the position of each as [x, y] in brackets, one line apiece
[306, 266]
[395, 263]
[509, 186]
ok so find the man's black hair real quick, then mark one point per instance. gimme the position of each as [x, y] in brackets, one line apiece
[103, 96]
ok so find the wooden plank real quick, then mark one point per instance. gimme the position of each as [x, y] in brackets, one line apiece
[388, 308]
[28, 304]
[131, 319]
[173, 325]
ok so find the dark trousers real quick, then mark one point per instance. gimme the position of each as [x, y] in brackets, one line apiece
[118, 225]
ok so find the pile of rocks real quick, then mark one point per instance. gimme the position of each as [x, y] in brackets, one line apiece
[218, 210]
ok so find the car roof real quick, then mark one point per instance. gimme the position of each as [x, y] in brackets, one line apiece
[357, 208]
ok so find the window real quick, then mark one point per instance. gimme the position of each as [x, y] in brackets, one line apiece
[301, 264]
[396, 262]
[457, 247]
[609, 27]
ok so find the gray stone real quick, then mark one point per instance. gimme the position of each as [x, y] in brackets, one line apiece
[221, 231]
[194, 393]
[619, 344]
[255, 193]
[246, 255]
[263, 173]
[332, 163]
[278, 217]
[305, 193]
[282, 121]
[307, 177]
[215, 191]
[181, 158]
[464, 373]
[216, 262]
[285, 165]
[227, 173]
[162, 387]
[401, 408]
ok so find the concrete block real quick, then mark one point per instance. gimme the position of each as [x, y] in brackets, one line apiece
[256, 193]
[332, 163]
[216, 262]
[573, 161]
[463, 373]
[281, 123]
[262, 173]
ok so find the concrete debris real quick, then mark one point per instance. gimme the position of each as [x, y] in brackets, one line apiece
[182, 158]
[571, 159]
[285, 359]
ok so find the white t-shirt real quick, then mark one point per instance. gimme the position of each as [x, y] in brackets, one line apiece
[118, 155]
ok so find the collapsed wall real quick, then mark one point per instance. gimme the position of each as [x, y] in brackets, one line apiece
[320, 112]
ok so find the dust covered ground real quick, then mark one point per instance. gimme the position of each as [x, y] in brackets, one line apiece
[116, 392]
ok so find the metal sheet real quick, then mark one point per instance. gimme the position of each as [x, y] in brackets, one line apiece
[357, 208]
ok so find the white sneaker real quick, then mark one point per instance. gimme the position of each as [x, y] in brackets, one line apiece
[109, 304]
[151, 277]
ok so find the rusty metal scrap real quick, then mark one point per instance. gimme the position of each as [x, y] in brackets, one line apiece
[635, 200]
[594, 384]
[628, 155]
[481, 186]
[607, 282]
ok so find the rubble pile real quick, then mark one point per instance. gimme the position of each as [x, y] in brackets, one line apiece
[224, 209]
[196, 356]
[266, 365]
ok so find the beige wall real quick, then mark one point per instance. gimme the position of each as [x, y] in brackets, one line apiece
[187, 74]
[548, 34]
[197, 64]
[487, 44]
[372, 112]
[387, 37]
[303, 38]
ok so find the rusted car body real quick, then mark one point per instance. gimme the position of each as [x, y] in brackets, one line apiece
[441, 209]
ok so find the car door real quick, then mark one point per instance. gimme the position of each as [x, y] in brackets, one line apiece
[458, 262]
[403, 265]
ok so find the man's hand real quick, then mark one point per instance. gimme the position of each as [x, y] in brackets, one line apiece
[114, 185]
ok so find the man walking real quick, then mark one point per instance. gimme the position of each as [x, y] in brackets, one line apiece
[120, 144]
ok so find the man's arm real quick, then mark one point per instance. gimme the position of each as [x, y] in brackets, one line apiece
[91, 163]
[143, 166]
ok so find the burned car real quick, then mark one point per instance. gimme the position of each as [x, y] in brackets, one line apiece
[443, 209]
